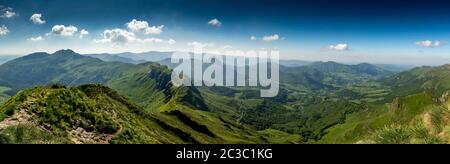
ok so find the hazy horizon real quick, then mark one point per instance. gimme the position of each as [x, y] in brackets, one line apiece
[295, 60]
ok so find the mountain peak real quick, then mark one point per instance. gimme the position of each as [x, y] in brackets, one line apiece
[65, 51]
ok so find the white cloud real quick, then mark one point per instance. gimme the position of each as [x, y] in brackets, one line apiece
[150, 40]
[339, 47]
[143, 26]
[429, 43]
[117, 36]
[200, 44]
[253, 38]
[62, 30]
[7, 12]
[3, 30]
[37, 18]
[136, 25]
[36, 39]
[154, 30]
[215, 22]
[121, 36]
[271, 38]
[171, 41]
[83, 32]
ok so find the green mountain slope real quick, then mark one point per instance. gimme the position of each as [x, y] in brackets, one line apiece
[65, 67]
[180, 110]
[433, 79]
[3, 95]
[87, 114]
[417, 112]
[147, 83]
[97, 114]
[413, 119]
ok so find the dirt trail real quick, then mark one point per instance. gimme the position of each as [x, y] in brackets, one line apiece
[78, 136]
[8, 122]
[110, 136]
[21, 116]
[426, 120]
[81, 136]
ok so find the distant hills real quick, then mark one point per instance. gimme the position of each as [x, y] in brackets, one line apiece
[328, 75]
[133, 58]
[164, 58]
[115, 58]
[6, 58]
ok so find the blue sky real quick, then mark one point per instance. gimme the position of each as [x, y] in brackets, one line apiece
[401, 32]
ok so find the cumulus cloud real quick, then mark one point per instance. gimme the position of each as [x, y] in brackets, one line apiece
[7, 12]
[3, 30]
[215, 22]
[143, 26]
[339, 47]
[37, 18]
[121, 36]
[117, 36]
[271, 38]
[83, 32]
[429, 43]
[171, 41]
[252, 37]
[62, 30]
[36, 39]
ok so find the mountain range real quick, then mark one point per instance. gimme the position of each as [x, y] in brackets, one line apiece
[66, 97]
[180, 111]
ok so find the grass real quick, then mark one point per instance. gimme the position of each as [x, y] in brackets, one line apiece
[101, 110]
[395, 123]
[401, 134]
[224, 128]
[392, 135]
[26, 134]
[279, 137]
[3, 96]
[91, 108]
[357, 125]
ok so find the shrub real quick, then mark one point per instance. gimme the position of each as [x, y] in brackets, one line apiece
[393, 135]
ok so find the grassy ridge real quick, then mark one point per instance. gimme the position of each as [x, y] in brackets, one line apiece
[401, 121]
[97, 114]
[61, 111]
